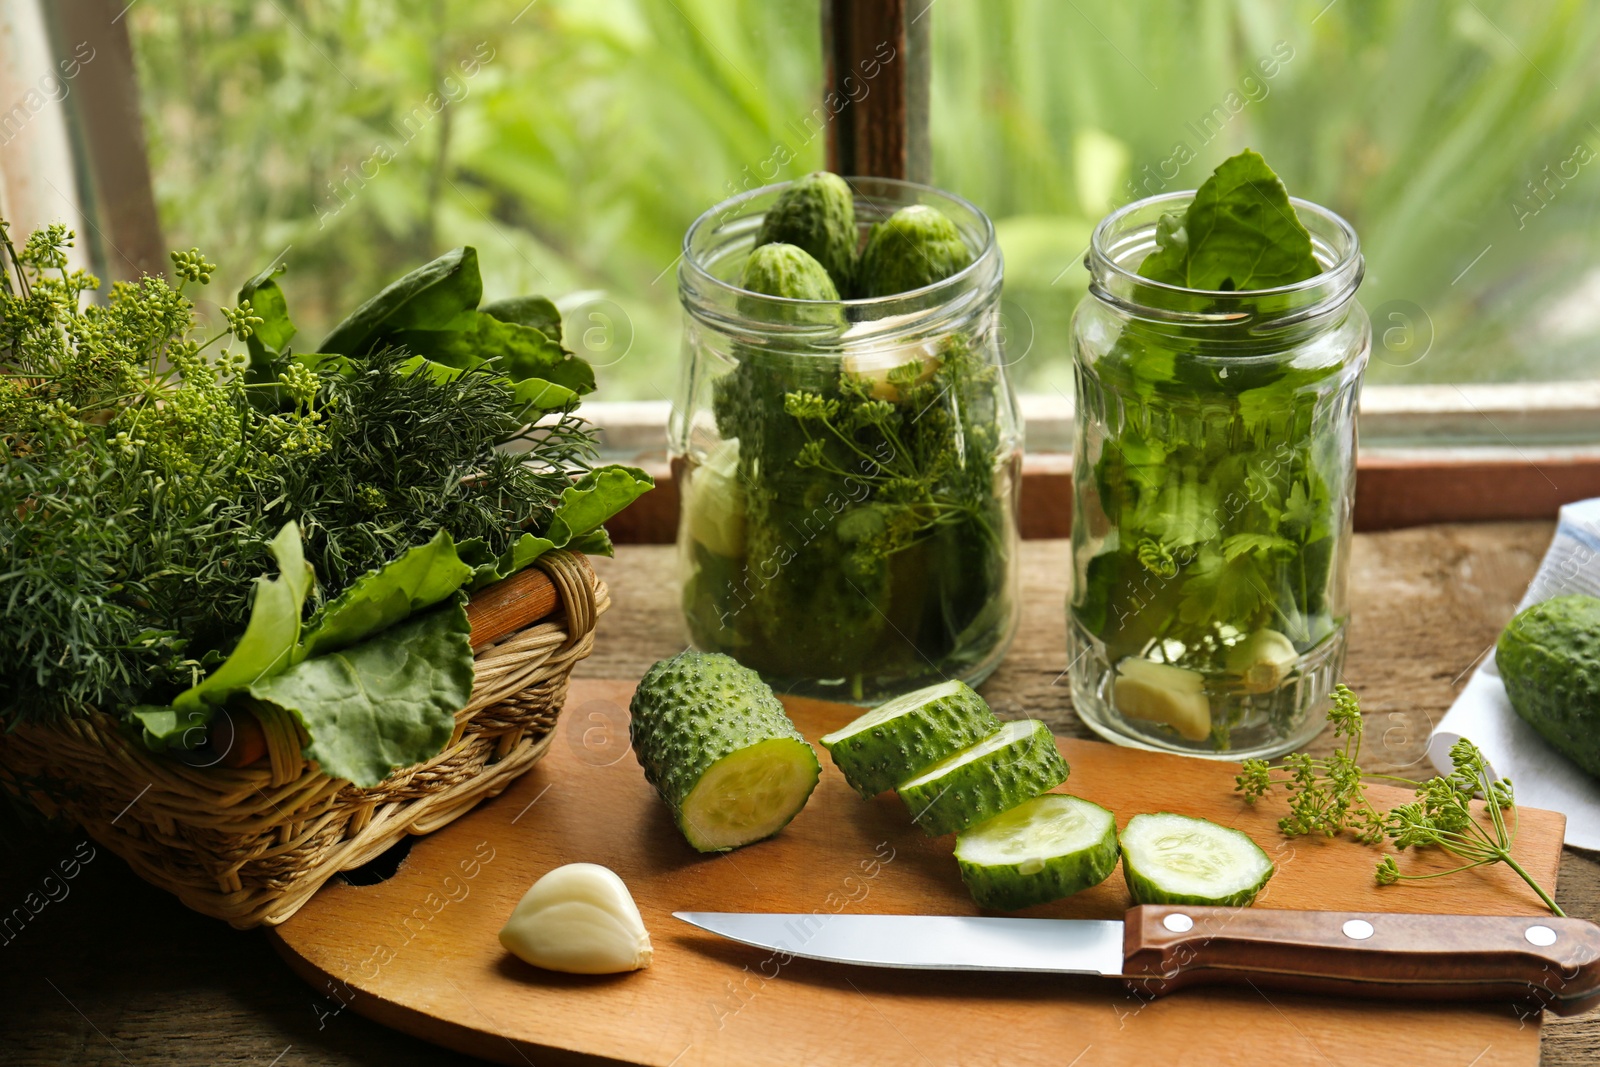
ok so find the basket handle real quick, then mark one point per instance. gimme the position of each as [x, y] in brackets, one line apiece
[575, 583]
[510, 605]
[557, 579]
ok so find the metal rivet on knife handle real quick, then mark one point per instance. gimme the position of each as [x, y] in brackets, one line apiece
[1357, 929]
[1542, 936]
[1179, 923]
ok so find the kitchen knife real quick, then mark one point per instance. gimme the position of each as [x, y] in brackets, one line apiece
[1157, 948]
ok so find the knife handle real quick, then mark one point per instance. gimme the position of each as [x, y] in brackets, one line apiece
[1552, 962]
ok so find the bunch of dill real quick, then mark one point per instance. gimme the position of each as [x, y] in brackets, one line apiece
[140, 487]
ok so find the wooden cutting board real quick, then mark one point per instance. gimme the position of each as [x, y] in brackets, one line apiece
[419, 952]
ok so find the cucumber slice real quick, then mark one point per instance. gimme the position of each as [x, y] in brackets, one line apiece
[998, 773]
[909, 734]
[713, 502]
[749, 795]
[720, 750]
[1041, 850]
[1176, 859]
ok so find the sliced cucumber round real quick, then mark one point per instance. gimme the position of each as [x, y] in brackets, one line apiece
[717, 745]
[904, 737]
[1176, 859]
[996, 774]
[1041, 850]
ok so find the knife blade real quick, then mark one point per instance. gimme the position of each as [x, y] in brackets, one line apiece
[1157, 948]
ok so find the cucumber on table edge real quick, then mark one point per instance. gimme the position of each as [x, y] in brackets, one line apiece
[1549, 659]
[905, 736]
[717, 745]
[996, 774]
[1041, 850]
[1178, 859]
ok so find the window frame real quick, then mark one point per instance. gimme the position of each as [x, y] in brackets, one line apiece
[1431, 453]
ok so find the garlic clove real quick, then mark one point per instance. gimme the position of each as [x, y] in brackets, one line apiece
[579, 919]
[1160, 692]
[1263, 660]
[872, 366]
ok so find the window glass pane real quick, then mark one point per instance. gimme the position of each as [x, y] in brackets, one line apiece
[571, 141]
[1462, 139]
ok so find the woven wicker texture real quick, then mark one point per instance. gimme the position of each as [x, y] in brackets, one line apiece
[250, 846]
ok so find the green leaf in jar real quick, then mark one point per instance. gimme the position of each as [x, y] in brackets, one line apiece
[1240, 233]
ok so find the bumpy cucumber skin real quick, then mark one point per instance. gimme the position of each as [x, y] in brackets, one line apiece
[916, 246]
[897, 751]
[1549, 658]
[696, 708]
[1007, 888]
[1145, 891]
[984, 788]
[791, 273]
[817, 213]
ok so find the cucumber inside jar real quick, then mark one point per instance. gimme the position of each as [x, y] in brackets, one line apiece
[851, 535]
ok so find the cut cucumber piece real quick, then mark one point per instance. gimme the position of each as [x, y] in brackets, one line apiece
[1176, 859]
[996, 774]
[1041, 850]
[719, 749]
[1160, 692]
[904, 737]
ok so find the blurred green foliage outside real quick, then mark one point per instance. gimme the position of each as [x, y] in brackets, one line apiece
[573, 141]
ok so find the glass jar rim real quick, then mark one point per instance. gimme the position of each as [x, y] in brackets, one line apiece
[984, 259]
[1331, 287]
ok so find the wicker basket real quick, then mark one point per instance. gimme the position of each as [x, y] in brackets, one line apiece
[250, 846]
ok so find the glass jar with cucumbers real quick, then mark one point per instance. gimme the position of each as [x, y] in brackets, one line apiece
[845, 439]
[1218, 360]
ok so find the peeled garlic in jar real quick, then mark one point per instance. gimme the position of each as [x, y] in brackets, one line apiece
[1263, 660]
[579, 919]
[1160, 692]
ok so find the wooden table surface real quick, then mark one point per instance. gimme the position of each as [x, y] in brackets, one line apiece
[113, 972]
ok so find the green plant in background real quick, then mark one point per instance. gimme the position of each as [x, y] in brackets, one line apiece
[583, 137]
[572, 141]
[1422, 123]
